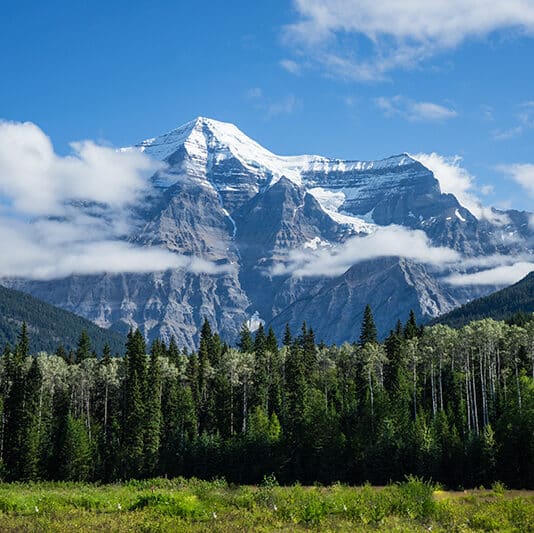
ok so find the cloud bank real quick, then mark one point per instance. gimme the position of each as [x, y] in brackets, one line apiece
[389, 241]
[501, 275]
[400, 34]
[70, 215]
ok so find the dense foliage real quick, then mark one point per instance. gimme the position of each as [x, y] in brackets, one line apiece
[48, 325]
[513, 303]
[456, 406]
[195, 505]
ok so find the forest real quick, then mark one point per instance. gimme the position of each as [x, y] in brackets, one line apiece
[455, 406]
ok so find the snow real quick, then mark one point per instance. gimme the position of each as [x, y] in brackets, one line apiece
[204, 136]
[315, 243]
[329, 200]
[332, 201]
[459, 216]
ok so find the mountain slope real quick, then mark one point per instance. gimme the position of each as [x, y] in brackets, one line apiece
[228, 200]
[500, 305]
[48, 326]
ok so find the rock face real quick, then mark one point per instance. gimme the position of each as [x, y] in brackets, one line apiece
[228, 200]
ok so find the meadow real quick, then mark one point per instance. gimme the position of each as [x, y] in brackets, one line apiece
[196, 505]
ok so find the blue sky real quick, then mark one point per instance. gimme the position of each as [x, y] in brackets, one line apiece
[340, 78]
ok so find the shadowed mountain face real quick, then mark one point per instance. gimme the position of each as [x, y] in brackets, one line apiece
[228, 200]
[500, 305]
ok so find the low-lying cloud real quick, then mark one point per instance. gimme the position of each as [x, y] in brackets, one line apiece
[389, 241]
[64, 215]
[501, 275]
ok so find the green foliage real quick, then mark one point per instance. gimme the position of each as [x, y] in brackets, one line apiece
[515, 303]
[180, 504]
[48, 326]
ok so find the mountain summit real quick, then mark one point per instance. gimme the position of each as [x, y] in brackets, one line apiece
[261, 216]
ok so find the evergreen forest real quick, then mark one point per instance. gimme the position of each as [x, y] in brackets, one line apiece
[455, 406]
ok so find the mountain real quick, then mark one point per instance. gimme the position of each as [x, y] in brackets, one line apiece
[500, 305]
[48, 326]
[256, 216]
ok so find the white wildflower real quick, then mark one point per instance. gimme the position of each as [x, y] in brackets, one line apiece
[36, 509]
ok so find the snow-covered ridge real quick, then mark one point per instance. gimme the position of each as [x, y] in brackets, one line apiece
[209, 141]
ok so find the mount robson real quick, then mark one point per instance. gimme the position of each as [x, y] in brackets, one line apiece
[293, 239]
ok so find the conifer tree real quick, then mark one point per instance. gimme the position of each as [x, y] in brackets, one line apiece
[75, 455]
[153, 414]
[368, 330]
[411, 331]
[288, 339]
[173, 353]
[134, 407]
[245, 344]
[83, 350]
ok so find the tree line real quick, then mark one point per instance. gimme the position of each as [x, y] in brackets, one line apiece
[452, 405]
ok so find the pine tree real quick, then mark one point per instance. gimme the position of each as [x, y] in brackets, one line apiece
[61, 352]
[368, 330]
[245, 344]
[172, 352]
[153, 414]
[83, 350]
[411, 331]
[288, 339]
[20, 438]
[29, 446]
[134, 407]
[75, 455]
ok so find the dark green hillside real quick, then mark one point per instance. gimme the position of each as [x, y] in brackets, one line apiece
[48, 325]
[500, 305]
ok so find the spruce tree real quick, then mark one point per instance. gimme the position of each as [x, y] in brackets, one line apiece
[368, 330]
[134, 409]
[173, 353]
[83, 350]
[153, 414]
[288, 338]
[75, 455]
[411, 330]
[245, 344]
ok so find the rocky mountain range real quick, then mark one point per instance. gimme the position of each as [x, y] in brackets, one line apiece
[259, 217]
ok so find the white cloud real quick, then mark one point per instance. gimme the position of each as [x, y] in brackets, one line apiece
[414, 111]
[455, 179]
[291, 66]
[524, 121]
[81, 207]
[400, 33]
[389, 241]
[36, 181]
[501, 275]
[523, 174]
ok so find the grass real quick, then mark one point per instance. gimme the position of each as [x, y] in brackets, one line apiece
[195, 505]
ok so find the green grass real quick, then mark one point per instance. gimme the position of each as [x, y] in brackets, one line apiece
[195, 505]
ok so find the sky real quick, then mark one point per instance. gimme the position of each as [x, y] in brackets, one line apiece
[350, 79]
[450, 81]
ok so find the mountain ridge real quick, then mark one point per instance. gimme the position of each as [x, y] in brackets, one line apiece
[226, 199]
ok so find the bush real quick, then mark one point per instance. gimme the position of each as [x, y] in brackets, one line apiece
[183, 505]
